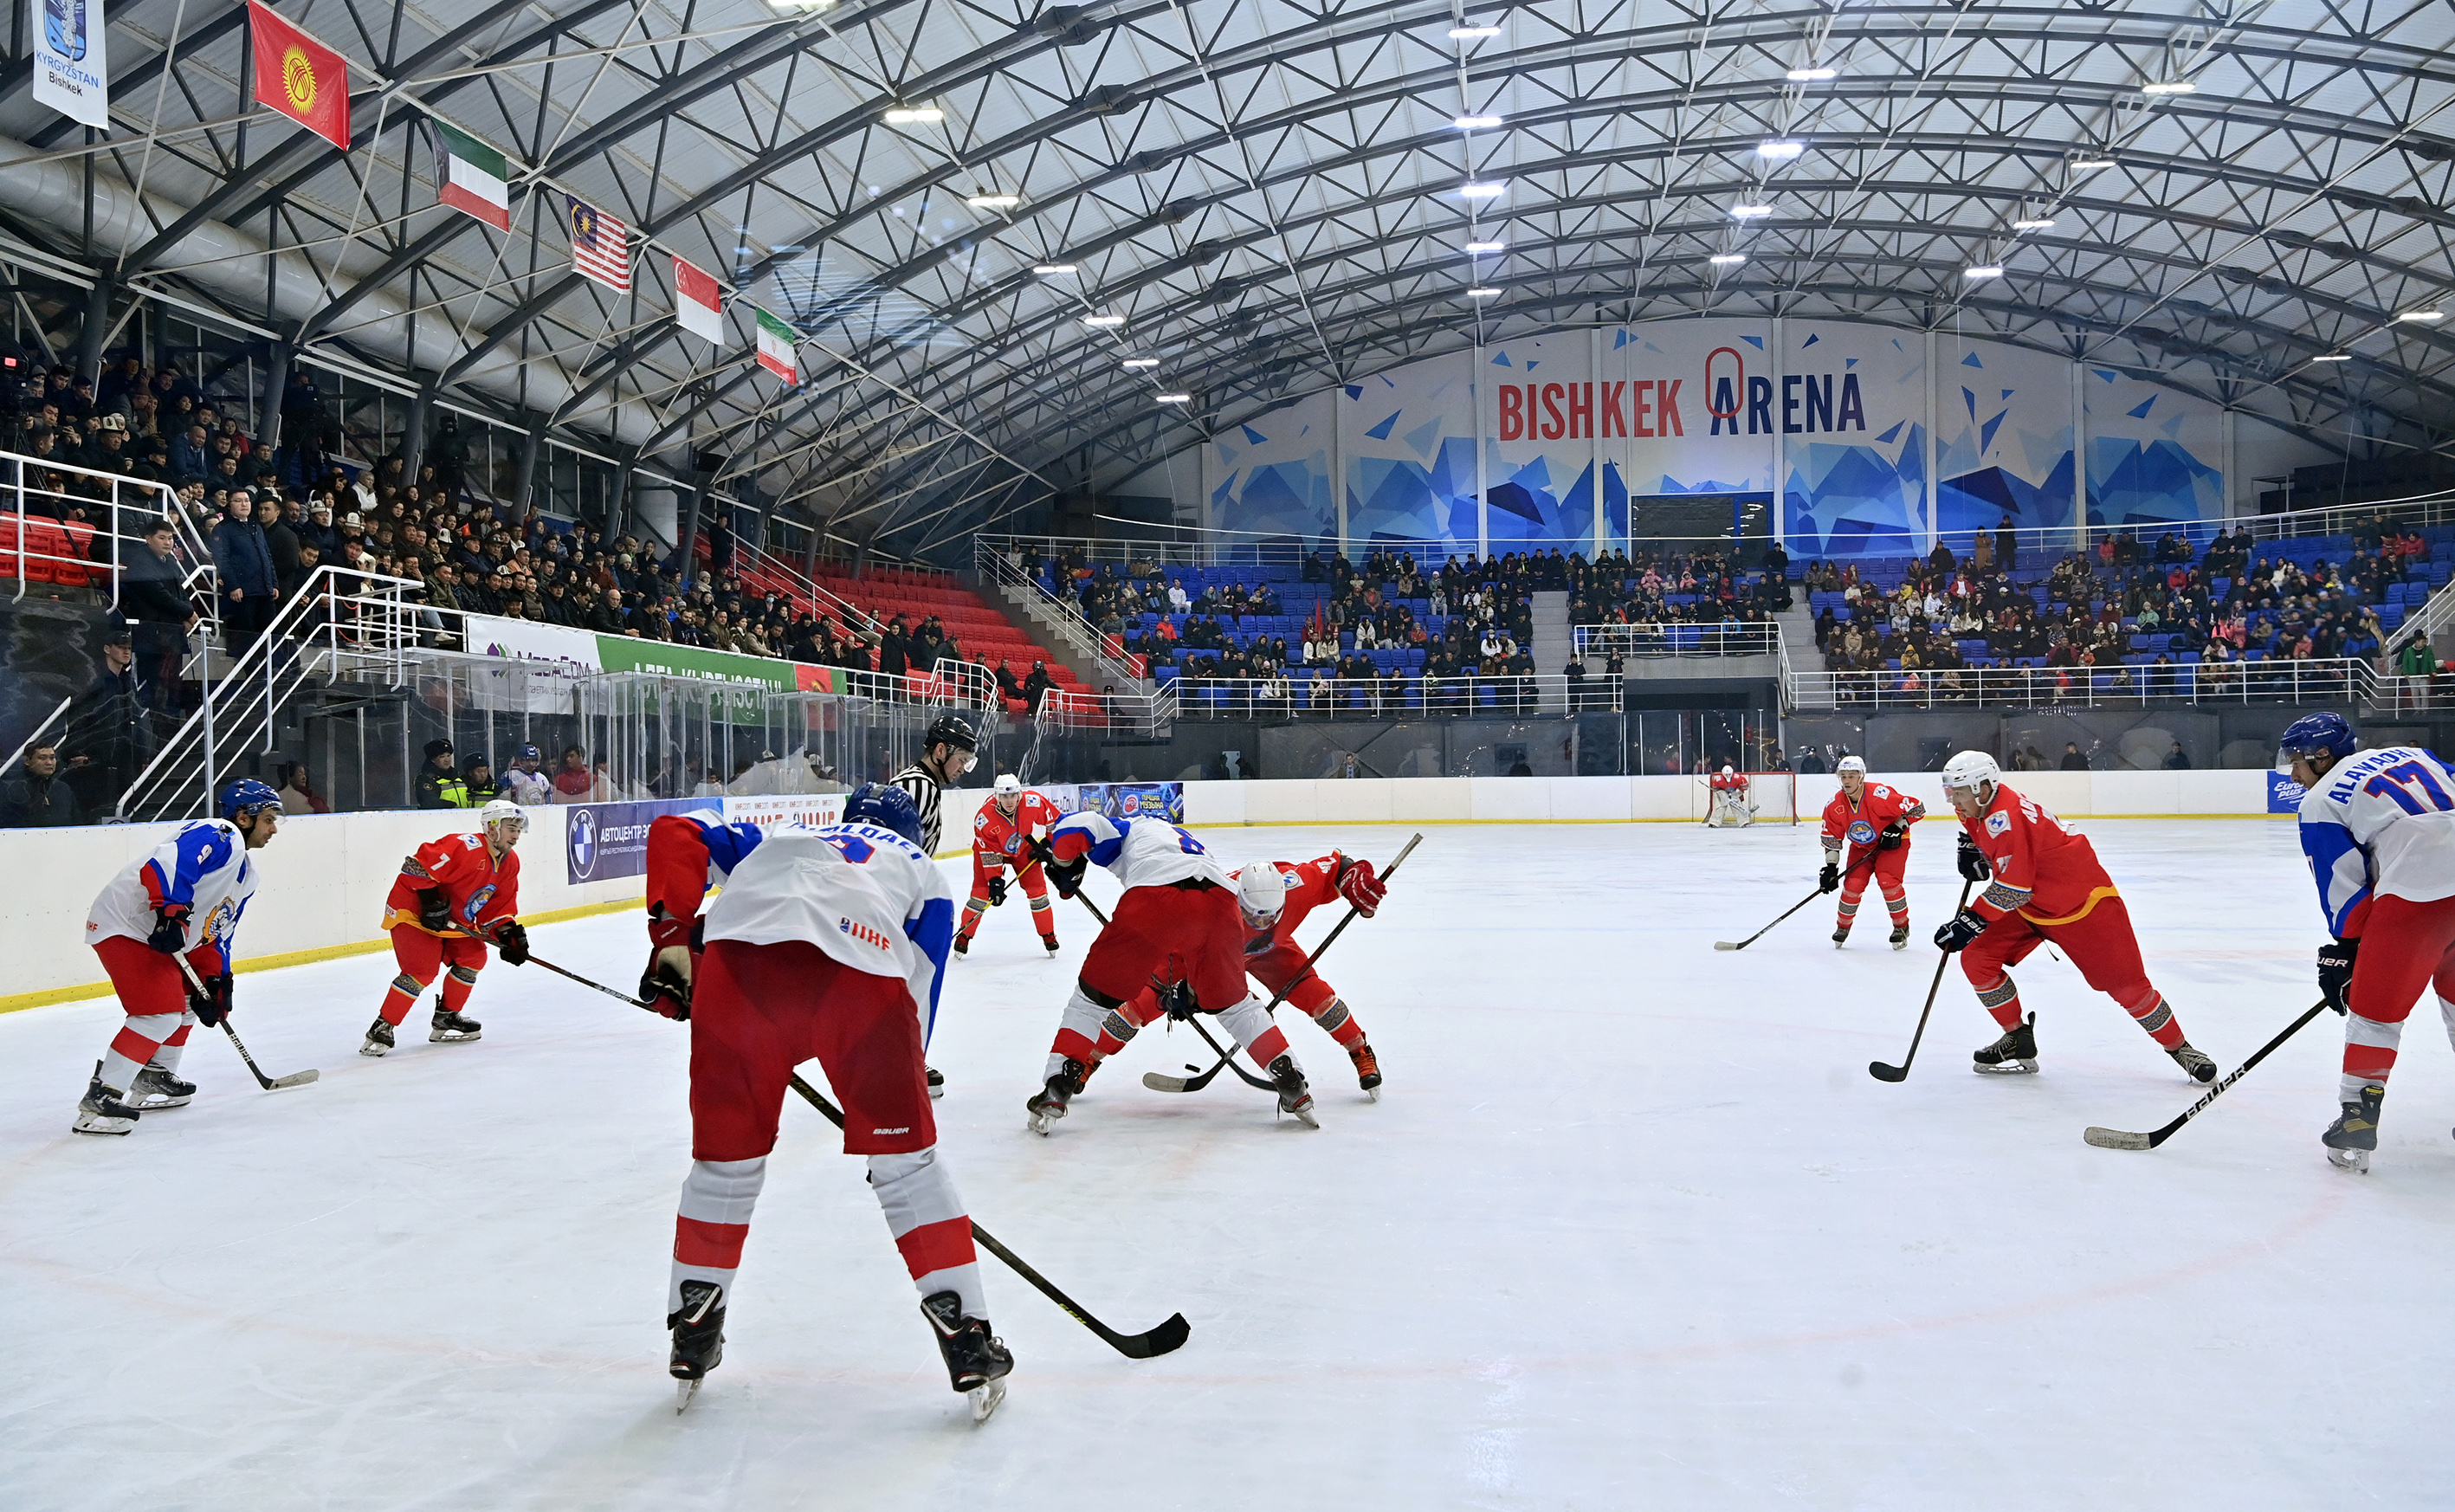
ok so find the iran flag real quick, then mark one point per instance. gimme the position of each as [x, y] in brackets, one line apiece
[474, 179]
[699, 305]
[776, 348]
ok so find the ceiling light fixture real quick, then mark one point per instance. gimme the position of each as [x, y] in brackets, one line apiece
[1104, 322]
[2422, 317]
[2032, 223]
[1141, 364]
[2170, 86]
[1726, 259]
[1049, 269]
[1478, 123]
[2333, 357]
[1483, 249]
[993, 201]
[2090, 165]
[1988, 270]
[1780, 151]
[1176, 399]
[913, 115]
[1482, 191]
[1750, 212]
[1472, 33]
[800, 5]
[1811, 76]
[1483, 294]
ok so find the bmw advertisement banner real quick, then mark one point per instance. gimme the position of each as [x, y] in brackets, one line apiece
[605, 842]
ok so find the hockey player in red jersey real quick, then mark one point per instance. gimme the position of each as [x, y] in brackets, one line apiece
[2043, 883]
[452, 897]
[1874, 820]
[1002, 837]
[1273, 898]
[1728, 793]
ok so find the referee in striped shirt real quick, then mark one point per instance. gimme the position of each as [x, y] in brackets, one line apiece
[945, 755]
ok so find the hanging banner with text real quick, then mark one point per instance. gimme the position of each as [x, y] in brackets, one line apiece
[71, 73]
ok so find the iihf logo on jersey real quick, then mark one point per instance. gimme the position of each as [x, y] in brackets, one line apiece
[864, 933]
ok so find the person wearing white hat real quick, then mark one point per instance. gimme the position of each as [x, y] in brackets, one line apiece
[1002, 835]
[1872, 822]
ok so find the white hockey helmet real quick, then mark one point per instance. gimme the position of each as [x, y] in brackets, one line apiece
[1972, 769]
[503, 811]
[1007, 785]
[1851, 764]
[1726, 768]
[1261, 891]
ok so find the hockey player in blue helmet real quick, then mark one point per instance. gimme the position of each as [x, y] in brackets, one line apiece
[886, 806]
[185, 898]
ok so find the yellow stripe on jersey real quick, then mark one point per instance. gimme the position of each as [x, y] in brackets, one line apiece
[2085, 910]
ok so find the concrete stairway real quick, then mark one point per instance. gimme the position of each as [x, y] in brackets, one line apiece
[1797, 625]
[1553, 646]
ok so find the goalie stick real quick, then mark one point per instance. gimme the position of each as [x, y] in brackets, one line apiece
[2119, 1139]
[1943, 958]
[296, 1078]
[1168, 1336]
[1726, 945]
[1159, 1082]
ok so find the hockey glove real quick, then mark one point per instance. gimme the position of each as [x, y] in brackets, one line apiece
[1973, 865]
[664, 930]
[1965, 926]
[1066, 876]
[1177, 998]
[1891, 836]
[1359, 885]
[511, 942]
[213, 1005]
[170, 929]
[1829, 880]
[2336, 971]
[997, 890]
[666, 986]
[434, 911]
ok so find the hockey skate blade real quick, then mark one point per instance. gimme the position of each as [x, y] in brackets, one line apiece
[683, 1391]
[985, 1401]
[2356, 1161]
[2117, 1139]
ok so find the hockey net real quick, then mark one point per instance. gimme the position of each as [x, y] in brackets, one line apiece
[1773, 797]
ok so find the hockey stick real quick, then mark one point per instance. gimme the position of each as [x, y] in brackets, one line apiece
[1725, 945]
[296, 1078]
[1168, 1336]
[621, 997]
[1158, 1082]
[1250, 1079]
[2118, 1139]
[1943, 958]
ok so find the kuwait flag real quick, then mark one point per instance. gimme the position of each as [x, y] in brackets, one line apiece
[698, 303]
[474, 178]
[776, 348]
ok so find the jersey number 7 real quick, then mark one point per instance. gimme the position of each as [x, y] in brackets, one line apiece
[2397, 783]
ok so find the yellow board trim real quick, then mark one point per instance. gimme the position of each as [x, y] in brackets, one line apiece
[2085, 910]
[322, 953]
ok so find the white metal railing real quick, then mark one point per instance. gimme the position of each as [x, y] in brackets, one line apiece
[1080, 635]
[822, 600]
[340, 622]
[1142, 715]
[2280, 680]
[1301, 697]
[41, 544]
[1674, 639]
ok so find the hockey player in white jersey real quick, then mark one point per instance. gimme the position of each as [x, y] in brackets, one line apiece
[2379, 829]
[830, 943]
[183, 900]
[1179, 912]
[689, 854]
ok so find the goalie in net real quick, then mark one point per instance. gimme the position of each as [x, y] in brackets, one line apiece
[1735, 799]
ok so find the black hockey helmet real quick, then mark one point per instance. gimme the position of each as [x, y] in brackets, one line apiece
[950, 729]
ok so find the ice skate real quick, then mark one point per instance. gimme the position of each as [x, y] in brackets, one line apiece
[1294, 1097]
[2195, 1063]
[963, 945]
[105, 1110]
[1841, 936]
[1050, 941]
[699, 1337]
[937, 1082]
[1367, 1067]
[2015, 1054]
[451, 1027]
[1048, 1104]
[156, 1089]
[2354, 1134]
[1900, 936]
[379, 1039]
[977, 1361]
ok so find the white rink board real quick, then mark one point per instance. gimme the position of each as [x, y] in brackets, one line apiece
[1633, 1227]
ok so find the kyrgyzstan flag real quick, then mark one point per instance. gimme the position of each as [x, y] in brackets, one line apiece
[299, 76]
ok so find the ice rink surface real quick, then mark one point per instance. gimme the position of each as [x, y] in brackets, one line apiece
[1631, 1227]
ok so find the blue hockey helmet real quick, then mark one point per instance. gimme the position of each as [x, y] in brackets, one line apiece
[886, 806]
[2321, 734]
[247, 795]
[529, 754]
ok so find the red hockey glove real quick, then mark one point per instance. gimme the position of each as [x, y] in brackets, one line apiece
[666, 986]
[665, 929]
[1357, 884]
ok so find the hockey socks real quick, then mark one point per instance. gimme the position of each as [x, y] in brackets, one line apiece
[400, 997]
[2156, 1015]
[930, 1227]
[154, 1039]
[1082, 1030]
[1262, 1039]
[1340, 1023]
[712, 1223]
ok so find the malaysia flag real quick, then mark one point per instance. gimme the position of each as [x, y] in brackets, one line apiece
[600, 246]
